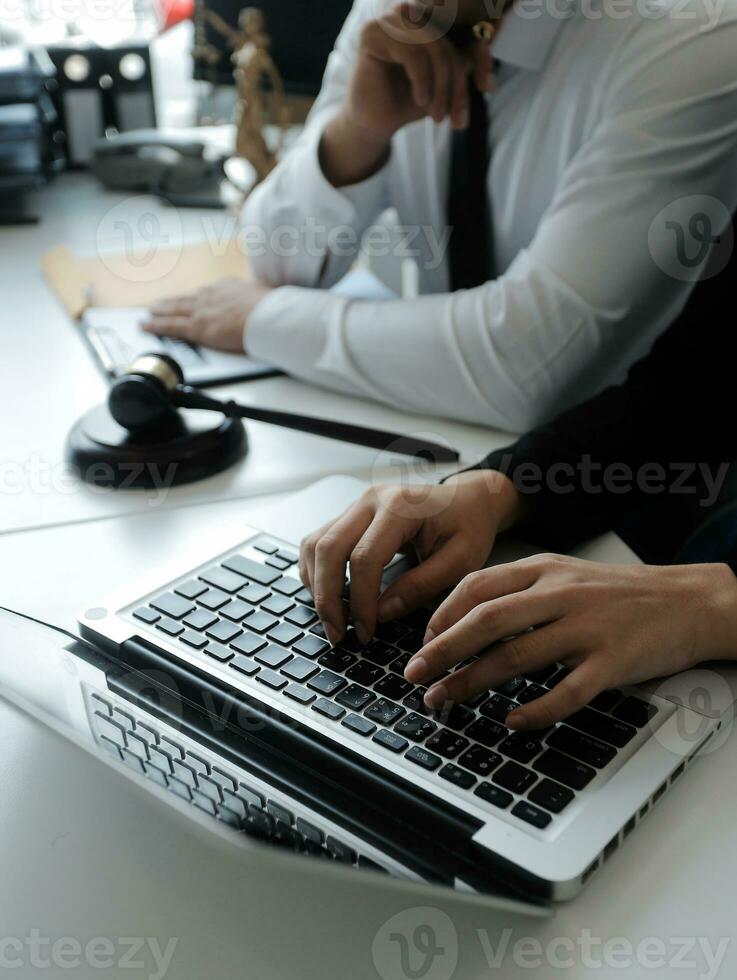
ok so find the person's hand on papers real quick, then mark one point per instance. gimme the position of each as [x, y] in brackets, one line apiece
[451, 527]
[214, 316]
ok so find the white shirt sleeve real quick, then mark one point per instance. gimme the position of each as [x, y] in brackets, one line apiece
[584, 295]
[299, 229]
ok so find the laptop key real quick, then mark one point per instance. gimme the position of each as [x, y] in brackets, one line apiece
[162, 760]
[249, 644]
[155, 774]
[494, 795]
[415, 701]
[200, 619]
[357, 723]
[271, 679]
[251, 569]
[236, 610]
[551, 795]
[266, 546]
[635, 712]
[179, 788]
[298, 693]
[447, 744]
[287, 585]
[214, 599]
[457, 717]
[203, 802]
[276, 562]
[415, 727]
[277, 604]
[421, 757]
[301, 616]
[380, 653]
[326, 682]
[390, 740]
[457, 776]
[318, 630]
[324, 707]
[497, 707]
[398, 666]
[582, 747]
[253, 594]
[384, 712]
[147, 615]
[560, 675]
[364, 672]
[393, 687]
[224, 632]
[355, 697]
[273, 656]
[311, 646]
[564, 770]
[511, 688]
[221, 578]
[532, 814]
[531, 693]
[606, 700]
[300, 669]
[391, 632]
[209, 788]
[172, 605]
[169, 626]
[514, 777]
[191, 589]
[520, 748]
[603, 727]
[337, 660]
[261, 622]
[304, 595]
[195, 640]
[218, 652]
[485, 731]
[480, 760]
[285, 633]
[185, 773]
[287, 555]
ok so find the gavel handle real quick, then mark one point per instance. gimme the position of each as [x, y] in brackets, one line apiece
[358, 435]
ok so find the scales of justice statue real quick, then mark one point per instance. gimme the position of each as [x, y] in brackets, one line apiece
[257, 80]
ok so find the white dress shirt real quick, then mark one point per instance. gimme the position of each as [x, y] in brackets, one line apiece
[610, 120]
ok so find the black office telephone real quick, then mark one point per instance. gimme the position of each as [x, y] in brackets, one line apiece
[173, 166]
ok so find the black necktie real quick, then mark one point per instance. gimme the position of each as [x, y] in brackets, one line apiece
[469, 210]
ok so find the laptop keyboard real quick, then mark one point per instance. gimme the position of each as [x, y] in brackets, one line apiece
[208, 783]
[251, 614]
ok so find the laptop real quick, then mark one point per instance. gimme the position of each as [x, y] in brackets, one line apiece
[216, 683]
[116, 340]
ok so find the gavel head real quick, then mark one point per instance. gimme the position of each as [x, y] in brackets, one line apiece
[141, 399]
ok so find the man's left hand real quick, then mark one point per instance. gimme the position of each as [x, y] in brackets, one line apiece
[214, 316]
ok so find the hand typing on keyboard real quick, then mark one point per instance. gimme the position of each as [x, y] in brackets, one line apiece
[608, 625]
[612, 625]
[452, 527]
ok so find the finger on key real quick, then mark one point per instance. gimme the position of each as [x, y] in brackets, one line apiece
[332, 552]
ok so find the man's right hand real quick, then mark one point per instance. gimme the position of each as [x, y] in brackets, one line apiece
[406, 69]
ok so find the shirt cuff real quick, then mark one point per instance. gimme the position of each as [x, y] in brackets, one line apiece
[285, 328]
[350, 205]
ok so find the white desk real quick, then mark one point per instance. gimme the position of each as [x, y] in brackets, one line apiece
[99, 857]
[125, 865]
[48, 380]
